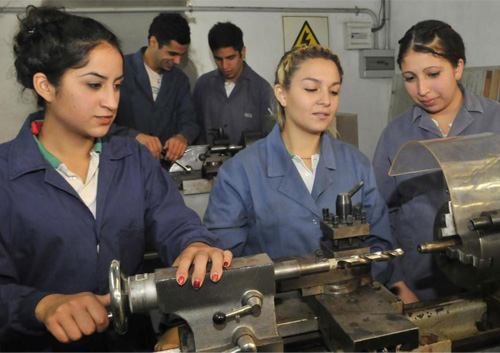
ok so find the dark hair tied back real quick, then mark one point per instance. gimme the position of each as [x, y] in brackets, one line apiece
[52, 41]
[433, 37]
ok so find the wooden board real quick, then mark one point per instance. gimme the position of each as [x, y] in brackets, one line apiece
[487, 84]
[494, 87]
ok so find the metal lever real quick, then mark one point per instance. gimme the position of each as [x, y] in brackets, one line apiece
[245, 343]
[252, 303]
[187, 168]
[356, 188]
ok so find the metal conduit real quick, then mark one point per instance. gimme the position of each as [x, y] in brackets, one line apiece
[388, 25]
[355, 10]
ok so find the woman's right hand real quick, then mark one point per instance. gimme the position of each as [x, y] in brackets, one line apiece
[69, 317]
[200, 254]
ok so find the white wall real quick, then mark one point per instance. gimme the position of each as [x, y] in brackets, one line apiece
[475, 20]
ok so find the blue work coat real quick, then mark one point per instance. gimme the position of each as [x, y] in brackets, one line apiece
[259, 202]
[247, 109]
[172, 113]
[51, 243]
[414, 199]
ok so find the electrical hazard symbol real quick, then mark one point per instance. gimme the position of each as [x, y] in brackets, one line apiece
[306, 36]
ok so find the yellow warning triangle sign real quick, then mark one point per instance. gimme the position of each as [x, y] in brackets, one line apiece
[306, 36]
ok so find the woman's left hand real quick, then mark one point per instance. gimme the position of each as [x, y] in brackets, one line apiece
[200, 254]
[403, 292]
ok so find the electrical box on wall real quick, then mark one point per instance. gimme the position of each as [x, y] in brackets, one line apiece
[358, 35]
[376, 63]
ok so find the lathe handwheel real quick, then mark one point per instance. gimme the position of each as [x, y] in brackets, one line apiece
[118, 298]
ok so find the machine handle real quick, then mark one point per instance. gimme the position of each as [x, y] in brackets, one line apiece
[119, 307]
[252, 303]
[245, 343]
[186, 168]
[355, 189]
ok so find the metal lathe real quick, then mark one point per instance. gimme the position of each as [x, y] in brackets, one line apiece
[327, 300]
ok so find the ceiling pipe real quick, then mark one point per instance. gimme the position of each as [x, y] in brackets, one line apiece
[388, 25]
[356, 10]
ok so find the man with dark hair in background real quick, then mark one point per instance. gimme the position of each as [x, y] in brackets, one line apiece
[156, 105]
[232, 97]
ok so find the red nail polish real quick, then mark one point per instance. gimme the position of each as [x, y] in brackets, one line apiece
[181, 280]
[226, 264]
[215, 277]
[197, 284]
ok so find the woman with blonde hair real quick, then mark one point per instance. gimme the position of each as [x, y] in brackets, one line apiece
[269, 197]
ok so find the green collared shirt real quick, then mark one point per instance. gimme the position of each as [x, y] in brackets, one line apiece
[53, 161]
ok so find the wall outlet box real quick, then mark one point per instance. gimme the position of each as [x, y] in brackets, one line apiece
[358, 35]
[376, 63]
